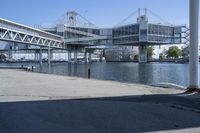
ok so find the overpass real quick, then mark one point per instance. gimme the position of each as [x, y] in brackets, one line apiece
[18, 33]
[15, 32]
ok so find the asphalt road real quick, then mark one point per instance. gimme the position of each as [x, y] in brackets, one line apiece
[130, 114]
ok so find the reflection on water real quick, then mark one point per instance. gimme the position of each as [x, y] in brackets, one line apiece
[152, 73]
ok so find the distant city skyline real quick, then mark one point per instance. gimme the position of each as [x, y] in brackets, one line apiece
[103, 13]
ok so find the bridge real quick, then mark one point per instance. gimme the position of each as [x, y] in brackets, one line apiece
[18, 33]
[142, 33]
[14, 32]
[72, 36]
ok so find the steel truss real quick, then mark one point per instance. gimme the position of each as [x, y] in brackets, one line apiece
[13, 32]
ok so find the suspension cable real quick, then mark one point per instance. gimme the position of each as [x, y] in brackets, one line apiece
[129, 16]
[158, 17]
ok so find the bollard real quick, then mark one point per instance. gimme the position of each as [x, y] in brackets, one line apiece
[88, 73]
[32, 68]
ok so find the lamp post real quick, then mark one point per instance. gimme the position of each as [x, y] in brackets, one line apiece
[194, 38]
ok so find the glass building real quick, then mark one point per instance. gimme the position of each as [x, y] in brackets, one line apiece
[141, 34]
[154, 34]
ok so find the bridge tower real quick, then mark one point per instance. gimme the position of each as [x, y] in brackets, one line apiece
[72, 18]
[143, 38]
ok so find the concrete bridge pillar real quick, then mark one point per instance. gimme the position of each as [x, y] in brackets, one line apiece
[75, 55]
[90, 57]
[85, 57]
[194, 49]
[10, 52]
[40, 56]
[101, 56]
[142, 54]
[49, 55]
[36, 55]
[69, 55]
[13, 48]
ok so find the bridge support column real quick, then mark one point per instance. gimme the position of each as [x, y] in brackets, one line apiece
[85, 57]
[69, 55]
[194, 39]
[15, 46]
[90, 57]
[101, 56]
[35, 58]
[10, 52]
[49, 55]
[142, 54]
[40, 56]
[75, 55]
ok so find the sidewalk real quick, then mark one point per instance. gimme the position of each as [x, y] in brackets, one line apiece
[42, 103]
[19, 85]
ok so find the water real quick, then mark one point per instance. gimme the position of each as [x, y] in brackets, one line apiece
[152, 73]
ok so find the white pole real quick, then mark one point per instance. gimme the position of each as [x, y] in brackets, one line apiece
[194, 35]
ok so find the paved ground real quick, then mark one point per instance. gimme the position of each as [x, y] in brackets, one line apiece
[18, 85]
[31, 102]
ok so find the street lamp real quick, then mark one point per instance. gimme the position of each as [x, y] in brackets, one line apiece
[194, 39]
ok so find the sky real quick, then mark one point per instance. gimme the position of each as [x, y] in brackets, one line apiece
[103, 13]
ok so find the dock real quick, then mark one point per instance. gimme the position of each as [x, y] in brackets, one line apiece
[43, 103]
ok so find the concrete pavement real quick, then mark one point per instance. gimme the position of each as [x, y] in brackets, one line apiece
[42, 103]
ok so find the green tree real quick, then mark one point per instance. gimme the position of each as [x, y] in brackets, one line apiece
[136, 57]
[173, 52]
[161, 56]
[150, 52]
[2, 57]
[185, 52]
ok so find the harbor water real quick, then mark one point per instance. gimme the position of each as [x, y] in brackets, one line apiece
[149, 74]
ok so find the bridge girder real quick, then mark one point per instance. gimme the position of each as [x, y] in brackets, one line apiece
[14, 32]
[26, 38]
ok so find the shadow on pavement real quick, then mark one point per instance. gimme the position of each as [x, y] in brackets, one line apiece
[145, 113]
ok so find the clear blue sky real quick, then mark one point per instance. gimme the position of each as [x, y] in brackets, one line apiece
[103, 13]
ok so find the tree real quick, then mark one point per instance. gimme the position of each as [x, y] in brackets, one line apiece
[150, 52]
[2, 57]
[161, 56]
[173, 52]
[136, 57]
[185, 52]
